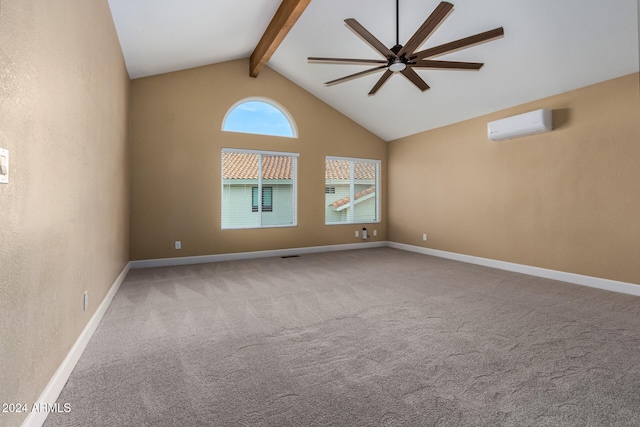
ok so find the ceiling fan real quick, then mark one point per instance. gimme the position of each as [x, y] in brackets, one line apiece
[403, 59]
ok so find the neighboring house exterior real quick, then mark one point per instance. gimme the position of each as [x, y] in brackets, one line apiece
[338, 206]
[242, 206]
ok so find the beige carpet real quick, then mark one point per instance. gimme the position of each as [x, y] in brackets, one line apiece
[376, 337]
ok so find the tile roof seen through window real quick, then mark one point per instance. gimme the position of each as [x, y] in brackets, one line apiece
[357, 196]
[245, 166]
[339, 170]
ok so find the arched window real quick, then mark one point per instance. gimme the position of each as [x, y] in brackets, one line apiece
[259, 116]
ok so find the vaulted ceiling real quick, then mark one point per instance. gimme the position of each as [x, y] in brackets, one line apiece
[549, 47]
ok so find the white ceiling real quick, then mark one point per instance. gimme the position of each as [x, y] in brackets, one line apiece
[549, 47]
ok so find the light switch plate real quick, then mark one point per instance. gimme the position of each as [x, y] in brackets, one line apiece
[4, 166]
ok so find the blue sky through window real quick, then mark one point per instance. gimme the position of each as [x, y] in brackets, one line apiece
[258, 117]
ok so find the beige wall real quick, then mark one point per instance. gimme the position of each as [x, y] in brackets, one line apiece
[176, 137]
[567, 200]
[64, 213]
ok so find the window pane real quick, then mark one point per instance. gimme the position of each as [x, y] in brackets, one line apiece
[337, 177]
[365, 192]
[239, 176]
[267, 199]
[350, 180]
[258, 117]
[254, 199]
[244, 175]
[277, 175]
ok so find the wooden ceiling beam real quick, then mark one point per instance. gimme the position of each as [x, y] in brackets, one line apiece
[284, 19]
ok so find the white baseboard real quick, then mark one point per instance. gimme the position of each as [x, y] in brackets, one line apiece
[55, 386]
[168, 262]
[578, 279]
[594, 282]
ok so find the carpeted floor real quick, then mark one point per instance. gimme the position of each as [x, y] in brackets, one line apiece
[375, 337]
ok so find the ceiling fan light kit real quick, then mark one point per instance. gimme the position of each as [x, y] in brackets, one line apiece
[397, 65]
[403, 59]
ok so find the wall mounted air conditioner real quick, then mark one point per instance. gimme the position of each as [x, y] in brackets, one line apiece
[523, 124]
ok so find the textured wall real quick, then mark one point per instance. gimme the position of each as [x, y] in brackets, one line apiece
[565, 200]
[64, 214]
[176, 137]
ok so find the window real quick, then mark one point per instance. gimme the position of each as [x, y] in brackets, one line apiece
[259, 116]
[354, 195]
[329, 190]
[267, 199]
[247, 174]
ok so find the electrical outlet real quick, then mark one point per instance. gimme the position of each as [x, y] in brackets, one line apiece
[375, 233]
[178, 244]
[357, 233]
[85, 300]
[424, 237]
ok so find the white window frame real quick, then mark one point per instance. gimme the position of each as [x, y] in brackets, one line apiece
[294, 188]
[352, 192]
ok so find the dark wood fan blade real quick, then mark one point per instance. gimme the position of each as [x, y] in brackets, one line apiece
[369, 38]
[356, 75]
[346, 61]
[427, 28]
[415, 78]
[447, 65]
[460, 44]
[381, 82]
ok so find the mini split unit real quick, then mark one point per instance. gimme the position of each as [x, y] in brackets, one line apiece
[523, 124]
